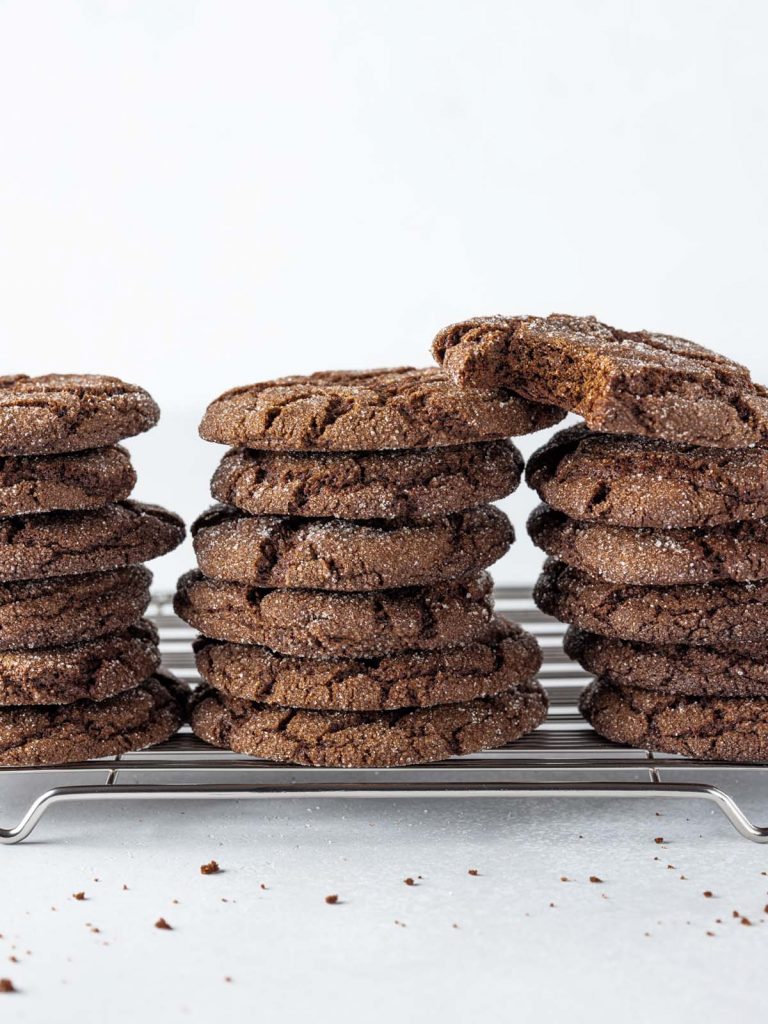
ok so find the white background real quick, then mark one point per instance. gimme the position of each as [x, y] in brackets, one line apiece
[198, 195]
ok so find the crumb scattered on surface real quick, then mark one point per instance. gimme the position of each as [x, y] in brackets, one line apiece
[708, 893]
[409, 881]
[474, 872]
[163, 924]
[746, 921]
[659, 839]
[211, 868]
[262, 886]
[596, 880]
[333, 898]
[6, 985]
[78, 896]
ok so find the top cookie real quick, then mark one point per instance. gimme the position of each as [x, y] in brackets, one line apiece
[63, 412]
[368, 410]
[627, 382]
[640, 482]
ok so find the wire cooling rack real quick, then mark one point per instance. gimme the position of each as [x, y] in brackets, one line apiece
[563, 758]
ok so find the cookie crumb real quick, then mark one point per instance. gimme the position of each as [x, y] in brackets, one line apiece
[409, 881]
[333, 898]
[659, 839]
[6, 985]
[211, 868]
[746, 921]
[708, 894]
[163, 925]
[78, 896]
[454, 925]
[564, 878]
[125, 887]
[13, 959]
[474, 872]
[595, 880]
[711, 934]
[228, 978]
[262, 886]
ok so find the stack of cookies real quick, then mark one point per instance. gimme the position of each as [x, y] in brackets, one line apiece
[79, 667]
[345, 613]
[656, 521]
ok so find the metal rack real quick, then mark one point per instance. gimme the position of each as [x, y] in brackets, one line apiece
[564, 758]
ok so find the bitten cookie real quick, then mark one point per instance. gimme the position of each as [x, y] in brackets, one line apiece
[675, 670]
[625, 382]
[90, 670]
[311, 623]
[70, 609]
[726, 616]
[640, 482]
[505, 657]
[63, 412]
[620, 554]
[336, 554]
[141, 717]
[48, 544]
[354, 739]
[408, 484]
[368, 410]
[708, 728]
[44, 483]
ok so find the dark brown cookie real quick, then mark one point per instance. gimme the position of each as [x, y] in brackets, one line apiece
[337, 554]
[505, 657]
[70, 609]
[47, 544]
[642, 482]
[44, 483]
[312, 623]
[51, 734]
[407, 484]
[621, 554]
[368, 410]
[90, 670]
[708, 728]
[358, 739]
[626, 382]
[670, 669]
[67, 412]
[726, 616]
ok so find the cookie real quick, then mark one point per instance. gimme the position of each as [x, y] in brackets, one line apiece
[70, 609]
[48, 544]
[708, 728]
[312, 623]
[51, 734]
[67, 412]
[368, 410]
[642, 482]
[621, 554]
[726, 616]
[90, 670]
[506, 656]
[44, 483]
[359, 739]
[336, 554]
[408, 484]
[625, 382]
[671, 669]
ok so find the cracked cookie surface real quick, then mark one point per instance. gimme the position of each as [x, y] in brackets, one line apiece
[322, 623]
[46, 544]
[709, 728]
[621, 554]
[89, 670]
[149, 713]
[337, 554]
[368, 410]
[77, 480]
[727, 616]
[641, 482]
[65, 412]
[411, 483]
[355, 739]
[69, 609]
[624, 382]
[669, 668]
[506, 656]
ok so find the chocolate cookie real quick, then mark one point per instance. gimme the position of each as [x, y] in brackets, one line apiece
[367, 411]
[44, 483]
[641, 482]
[48, 544]
[355, 739]
[627, 382]
[53, 734]
[70, 609]
[708, 728]
[336, 554]
[67, 412]
[726, 616]
[671, 669]
[506, 656]
[621, 554]
[90, 670]
[406, 484]
[312, 623]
